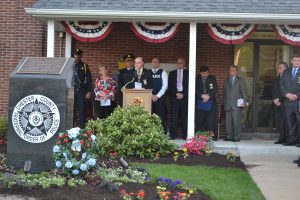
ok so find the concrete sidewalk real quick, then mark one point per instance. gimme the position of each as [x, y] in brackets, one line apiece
[270, 166]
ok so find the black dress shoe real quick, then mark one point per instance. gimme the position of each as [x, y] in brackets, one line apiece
[235, 140]
[296, 162]
[227, 139]
[289, 144]
[279, 142]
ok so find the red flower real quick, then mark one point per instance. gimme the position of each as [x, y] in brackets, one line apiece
[66, 141]
[81, 142]
[65, 135]
[59, 137]
[85, 135]
[88, 145]
[90, 132]
[141, 193]
[131, 194]
[89, 139]
[59, 143]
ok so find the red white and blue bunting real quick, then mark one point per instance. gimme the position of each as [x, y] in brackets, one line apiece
[289, 34]
[88, 31]
[155, 33]
[230, 33]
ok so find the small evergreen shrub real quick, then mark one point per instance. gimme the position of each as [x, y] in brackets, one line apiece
[131, 131]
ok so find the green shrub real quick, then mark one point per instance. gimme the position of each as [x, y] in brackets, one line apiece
[3, 127]
[131, 131]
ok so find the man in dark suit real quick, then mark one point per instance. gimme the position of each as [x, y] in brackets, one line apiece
[139, 77]
[278, 99]
[122, 76]
[82, 86]
[235, 96]
[178, 86]
[206, 90]
[290, 88]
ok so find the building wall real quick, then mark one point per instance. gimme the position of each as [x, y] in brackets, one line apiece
[20, 36]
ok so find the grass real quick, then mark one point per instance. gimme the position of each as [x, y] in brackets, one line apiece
[218, 183]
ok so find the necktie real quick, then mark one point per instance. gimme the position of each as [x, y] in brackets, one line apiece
[204, 85]
[294, 73]
[139, 74]
[231, 82]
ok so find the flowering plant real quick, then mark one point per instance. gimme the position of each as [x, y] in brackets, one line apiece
[163, 194]
[231, 156]
[200, 144]
[130, 196]
[175, 156]
[74, 151]
[185, 153]
[167, 182]
[183, 195]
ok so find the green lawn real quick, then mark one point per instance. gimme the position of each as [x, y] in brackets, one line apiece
[218, 183]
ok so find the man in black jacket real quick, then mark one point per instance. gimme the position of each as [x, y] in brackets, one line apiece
[290, 89]
[278, 99]
[82, 86]
[178, 86]
[206, 90]
[122, 76]
[139, 77]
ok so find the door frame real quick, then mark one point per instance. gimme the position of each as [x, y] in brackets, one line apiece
[255, 97]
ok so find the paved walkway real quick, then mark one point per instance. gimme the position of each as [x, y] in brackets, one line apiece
[271, 166]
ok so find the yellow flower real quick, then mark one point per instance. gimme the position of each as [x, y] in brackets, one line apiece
[191, 191]
[184, 149]
[176, 153]
[183, 194]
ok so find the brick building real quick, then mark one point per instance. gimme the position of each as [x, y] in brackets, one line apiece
[33, 28]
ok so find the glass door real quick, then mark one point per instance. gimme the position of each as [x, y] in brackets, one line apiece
[268, 57]
[257, 62]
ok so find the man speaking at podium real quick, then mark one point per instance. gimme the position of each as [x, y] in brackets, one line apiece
[139, 78]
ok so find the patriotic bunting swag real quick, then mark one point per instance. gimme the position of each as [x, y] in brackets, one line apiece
[155, 33]
[88, 31]
[230, 34]
[289, 34]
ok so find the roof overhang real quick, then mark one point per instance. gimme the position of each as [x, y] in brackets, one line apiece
[159, 16]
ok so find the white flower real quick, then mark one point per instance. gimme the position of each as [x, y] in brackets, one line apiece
[93, 137]
[75, 171]
[83, 167]
[69, 165]
[76, 146]
[73, 132]
[56, 149]
[92, 162]
[58, 164]
[83, 156]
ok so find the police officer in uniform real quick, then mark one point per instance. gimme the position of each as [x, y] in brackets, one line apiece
[82, 85]
[159, 88]
[122, 77]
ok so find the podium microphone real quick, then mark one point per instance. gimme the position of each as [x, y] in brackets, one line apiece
[124, 87]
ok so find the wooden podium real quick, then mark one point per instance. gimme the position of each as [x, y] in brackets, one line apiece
[142, 97]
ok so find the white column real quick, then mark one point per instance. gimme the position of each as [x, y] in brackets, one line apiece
[50, 38]
[192, 78]
[68, 45]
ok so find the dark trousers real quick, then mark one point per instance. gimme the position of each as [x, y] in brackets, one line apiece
[281, 125]
[103, 111]
[293, 121]
[205, 120]
[79, 102]
[179, 106]
[158, 108]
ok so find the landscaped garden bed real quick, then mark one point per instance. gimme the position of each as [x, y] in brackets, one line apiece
[127, 156]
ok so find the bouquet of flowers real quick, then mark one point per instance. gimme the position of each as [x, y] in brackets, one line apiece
[74, 151]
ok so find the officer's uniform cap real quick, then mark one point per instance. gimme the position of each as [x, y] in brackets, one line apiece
[128, 57]
[78, 52]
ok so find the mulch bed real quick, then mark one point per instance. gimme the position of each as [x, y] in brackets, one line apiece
[215, 160]
[97, 192]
